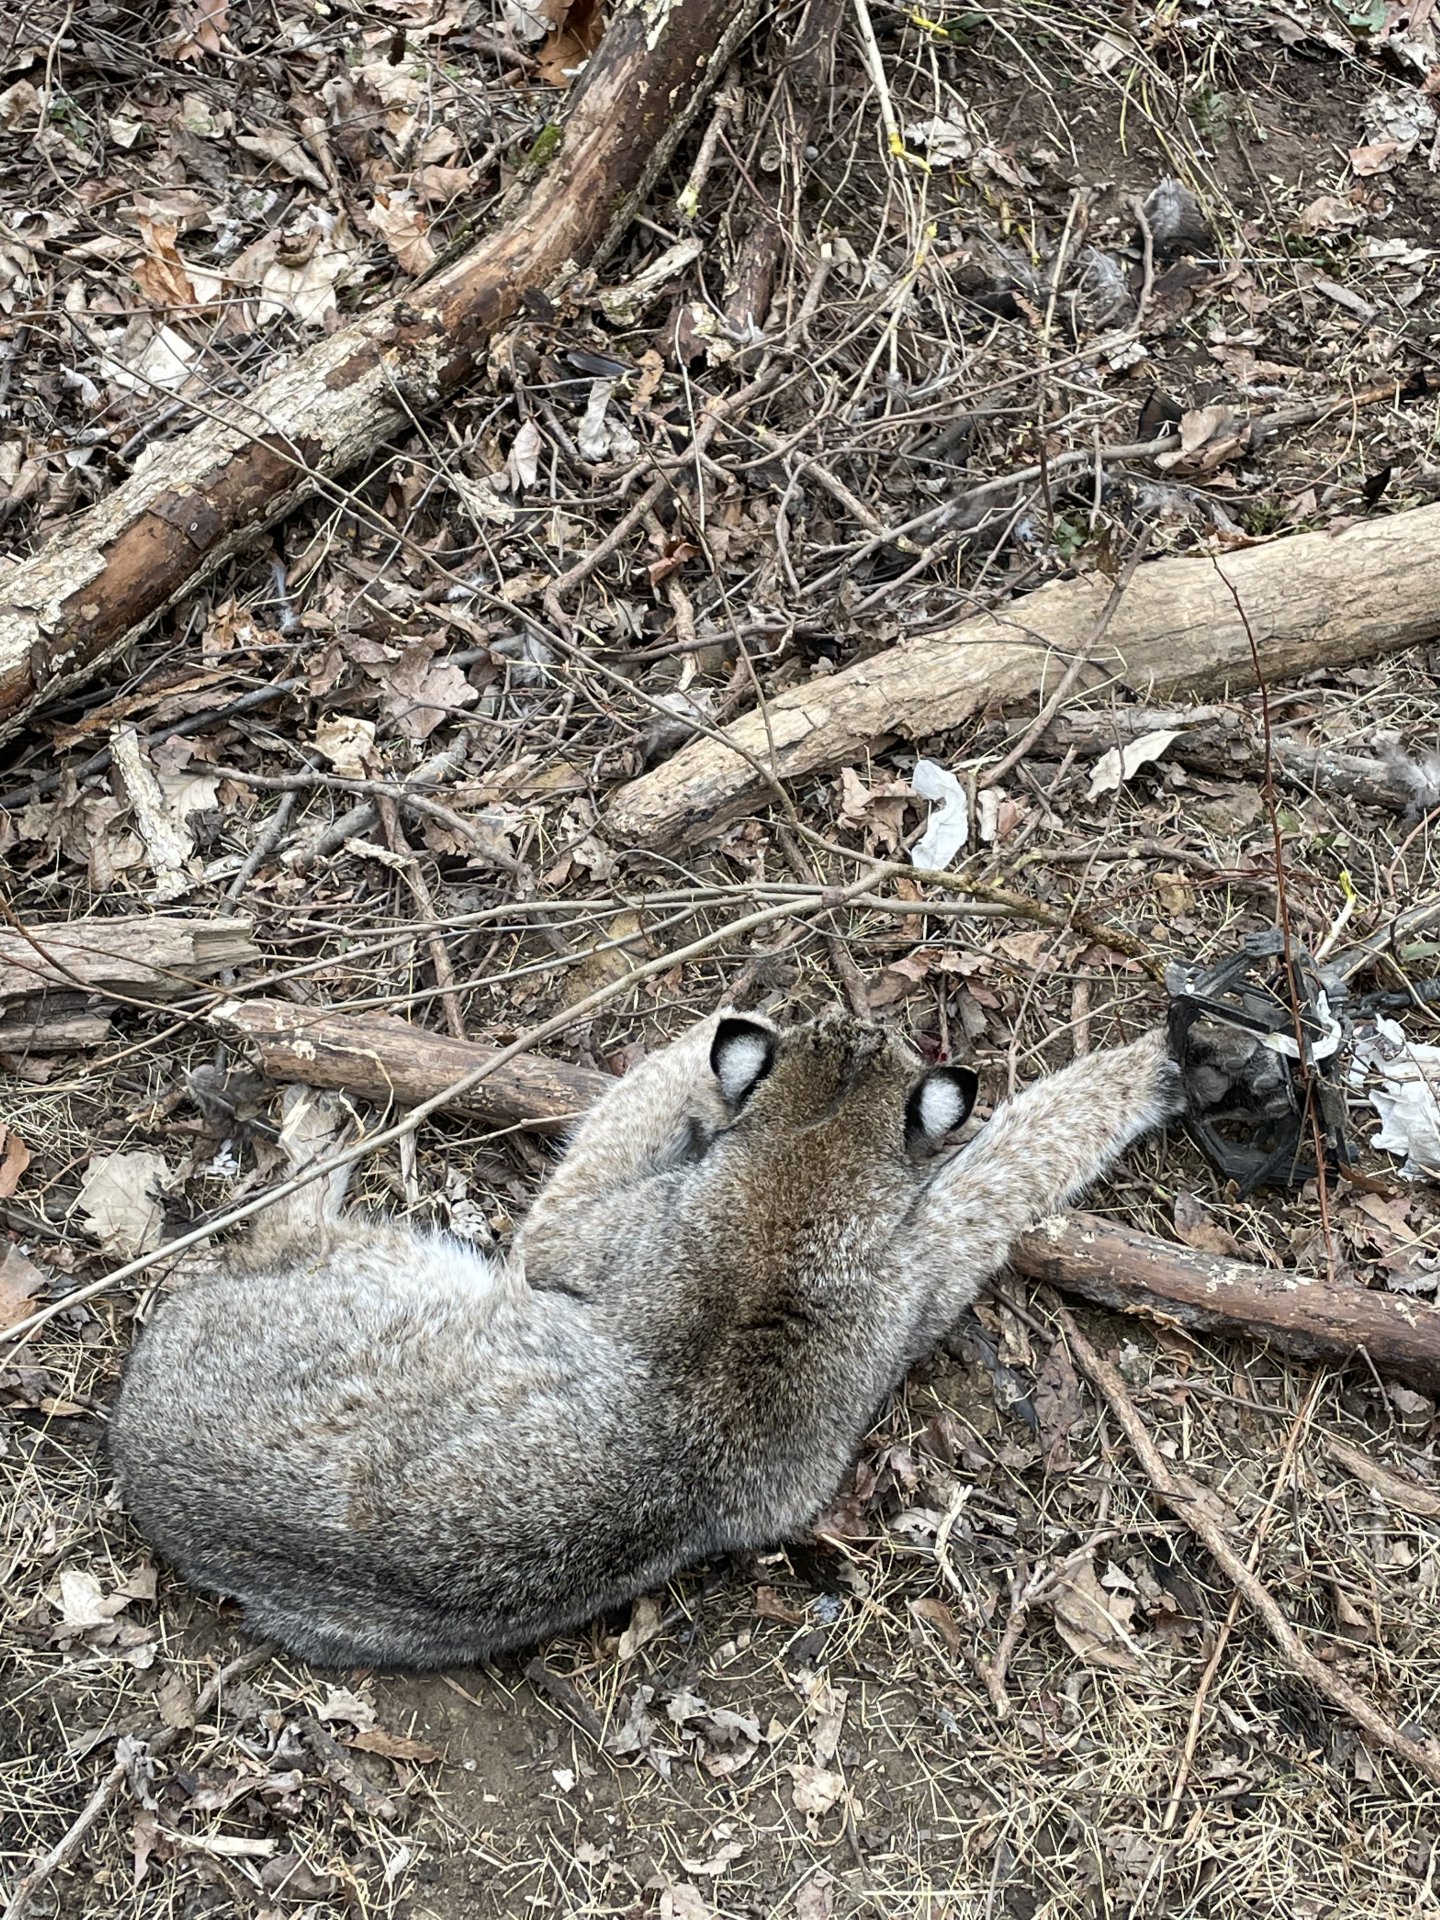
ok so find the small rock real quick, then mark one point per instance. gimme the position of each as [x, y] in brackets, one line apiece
[1176, 223]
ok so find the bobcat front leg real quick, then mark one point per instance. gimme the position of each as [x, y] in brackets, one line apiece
[1037, 1154]
[636, 1129]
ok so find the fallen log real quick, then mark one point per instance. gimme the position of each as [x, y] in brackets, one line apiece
[1222, 740]
[387, 1060]
[1299, 1313]
[1314, 600]
[249, 462]
[151, 956]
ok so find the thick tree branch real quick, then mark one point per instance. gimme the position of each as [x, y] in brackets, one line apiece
[1300, 1313]
[387, 1060]
[1315, 600]
[67, 609]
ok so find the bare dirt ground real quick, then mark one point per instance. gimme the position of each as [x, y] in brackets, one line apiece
[1002, 1680]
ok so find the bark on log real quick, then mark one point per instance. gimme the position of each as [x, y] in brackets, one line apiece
[1315, 600]
[148, 956]
[388, 1060]
[382, 1060]
[67, 609]
[1221, 740]
[67, 1034]
[1300, 1313]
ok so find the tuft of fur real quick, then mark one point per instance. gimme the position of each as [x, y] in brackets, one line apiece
[397, 1451]
[1416, 774]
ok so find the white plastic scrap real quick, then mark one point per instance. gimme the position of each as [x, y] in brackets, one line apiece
[1409, 1072]
[949, 826]
[1328, 1042]
[1112, 769]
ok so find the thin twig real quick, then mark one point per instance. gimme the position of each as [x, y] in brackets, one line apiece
[420, 894]
[15, 1335]
[63, 1852]
[717, 412]
[875, 66]
[1270, 795]
[1211, 1523]
[402, 795]
[1147, 271]
[852, 981]
[961, 508]
[1023, 1599]
[1227, 1626]
[264, 846]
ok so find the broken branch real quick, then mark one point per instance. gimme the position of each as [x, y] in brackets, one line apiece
[1315, 600]
[1210, 1521]
[1222, 740]
[1300, 1313]
[149, 957]
[248, 463]
[391, 1062]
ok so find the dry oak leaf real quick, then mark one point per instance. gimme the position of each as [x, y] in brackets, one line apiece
[1209, 436]
[1198, 1230]
[1379, 157]
[645, 1625]
[14, 1159]
[816, 1899]
[1094, 1624]
[421, 690]
[1059, 1404]
[1329, 213]
[680, 1900]
[199, 27]
[160, 275]
[348, 744]
[575, 36]
[523, 465]
[401, 225]
[941, 1618]
[83, 1605]
[20, 1282]
[117, 1200]
[816, 1789]
[825, 1710]
[344, 1705]
[440, 185]
[769, 1605]
[286, 151]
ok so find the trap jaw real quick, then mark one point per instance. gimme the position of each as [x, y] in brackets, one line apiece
[1252, 1036]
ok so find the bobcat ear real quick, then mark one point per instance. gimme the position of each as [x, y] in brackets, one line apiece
[940, 1100]
[741, 1055]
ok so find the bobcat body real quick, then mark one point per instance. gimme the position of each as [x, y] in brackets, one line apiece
[398, 1451]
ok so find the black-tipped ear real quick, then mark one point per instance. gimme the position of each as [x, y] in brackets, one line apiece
[939, 1102]
[742, 1054]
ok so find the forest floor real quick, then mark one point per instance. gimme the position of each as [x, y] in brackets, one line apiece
[186, 195]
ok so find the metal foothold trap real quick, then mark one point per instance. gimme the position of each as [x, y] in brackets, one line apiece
[1257, 1041]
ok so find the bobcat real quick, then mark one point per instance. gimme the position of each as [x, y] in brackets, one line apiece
[399, 1451]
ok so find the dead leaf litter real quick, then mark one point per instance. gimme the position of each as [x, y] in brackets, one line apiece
[843, 382]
